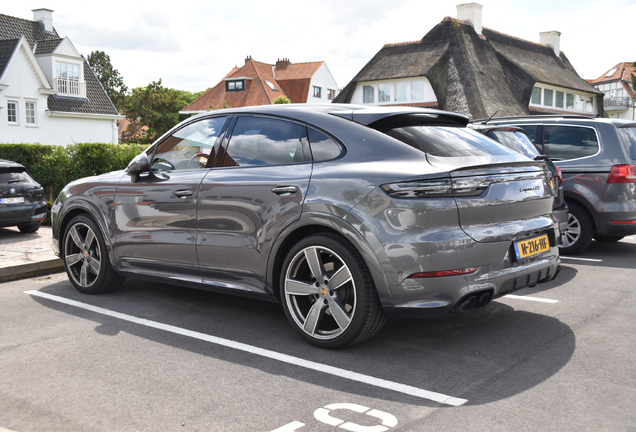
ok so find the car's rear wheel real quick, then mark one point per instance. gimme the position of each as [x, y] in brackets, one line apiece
[328, 294]
[86, 259]
[607, 239]
[29, 228]
[578, 234]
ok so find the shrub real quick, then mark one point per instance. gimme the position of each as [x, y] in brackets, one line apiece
[55, 166]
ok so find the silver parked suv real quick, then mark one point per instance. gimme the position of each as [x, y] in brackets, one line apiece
[597, 157]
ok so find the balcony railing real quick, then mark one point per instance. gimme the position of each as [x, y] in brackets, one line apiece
[69, 87]
[618, 102]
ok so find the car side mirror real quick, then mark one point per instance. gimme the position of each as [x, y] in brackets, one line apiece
[138, 165]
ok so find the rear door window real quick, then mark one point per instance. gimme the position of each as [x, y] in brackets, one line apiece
[569, 142]
[258, 141]
[628, 134]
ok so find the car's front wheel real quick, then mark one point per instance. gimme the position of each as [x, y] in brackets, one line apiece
[578, 234]
[328, 294]
[86, 259]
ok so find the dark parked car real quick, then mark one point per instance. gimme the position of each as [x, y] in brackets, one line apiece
[597, 157]
[343, 214]
[22, 202]
[515, 139]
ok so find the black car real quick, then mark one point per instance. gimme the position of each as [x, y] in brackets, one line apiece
[597, 157]
[515, 139]
[22, 202]
[344, 214]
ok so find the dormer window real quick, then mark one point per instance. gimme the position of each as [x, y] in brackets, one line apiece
[235, 86]
[68, 80]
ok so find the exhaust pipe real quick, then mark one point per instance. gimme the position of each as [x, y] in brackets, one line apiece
[484, 299]
[470, 303]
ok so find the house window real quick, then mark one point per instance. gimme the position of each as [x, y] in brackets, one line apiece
[384, 92]
[234, 86]
[67, 70]
[417, 90]
[331, 94]
[559, 100]
[400, 91]
[589, 104]
[536, 96]
[317, 92]
[367, 94]
[30, 113]
[570, 101]
[12, 112]
[547, 97]
[271, 85]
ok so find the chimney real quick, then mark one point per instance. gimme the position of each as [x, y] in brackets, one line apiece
[553, 40]
[248, 58]
[282, 64]
[470, 12]
[44, 17]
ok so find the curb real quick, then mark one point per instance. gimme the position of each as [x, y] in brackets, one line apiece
[31, 268]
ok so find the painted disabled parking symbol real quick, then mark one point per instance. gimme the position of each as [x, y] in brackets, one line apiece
[328, 416]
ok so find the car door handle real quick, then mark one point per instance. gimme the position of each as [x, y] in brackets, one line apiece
[285, 190]
[184, 193]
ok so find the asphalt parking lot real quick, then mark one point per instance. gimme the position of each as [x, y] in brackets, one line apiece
[148, 357]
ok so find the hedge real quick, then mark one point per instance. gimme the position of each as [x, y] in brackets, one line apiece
[55, 166]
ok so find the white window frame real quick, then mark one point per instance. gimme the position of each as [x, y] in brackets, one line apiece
[16, 112]
[34, 115]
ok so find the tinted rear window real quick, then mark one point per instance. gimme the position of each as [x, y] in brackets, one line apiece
[447, 141]
[628, 134]
[569, 142]
[14, 175]
[515, 141]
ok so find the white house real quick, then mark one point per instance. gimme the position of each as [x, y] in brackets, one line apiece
[48, 92]
[616, 83]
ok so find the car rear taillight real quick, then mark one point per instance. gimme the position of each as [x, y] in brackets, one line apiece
[443, 273]
[420, 189]
[560, 175]
[622, 174]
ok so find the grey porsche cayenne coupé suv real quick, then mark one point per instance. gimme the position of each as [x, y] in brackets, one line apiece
[343, 214]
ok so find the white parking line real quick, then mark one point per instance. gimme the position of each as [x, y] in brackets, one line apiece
[296, 361]
[537, 299]
[581, 259]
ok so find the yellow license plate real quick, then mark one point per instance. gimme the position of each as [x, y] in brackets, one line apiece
[533, 246]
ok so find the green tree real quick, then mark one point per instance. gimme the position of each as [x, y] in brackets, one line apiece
[154, 106]
[109, 77]
[281, 100]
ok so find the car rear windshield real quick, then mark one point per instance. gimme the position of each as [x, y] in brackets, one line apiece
[447, 141]
[628, 134]
[14, 175]
[516, 141]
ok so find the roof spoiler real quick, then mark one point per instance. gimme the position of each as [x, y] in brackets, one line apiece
[402, 116]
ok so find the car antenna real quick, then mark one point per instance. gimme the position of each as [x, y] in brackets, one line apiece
[490, 118]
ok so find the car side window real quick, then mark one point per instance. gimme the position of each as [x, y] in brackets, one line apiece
[531, 132]
[258, 141]
[191, 147]
[569, 142]
[323, 148]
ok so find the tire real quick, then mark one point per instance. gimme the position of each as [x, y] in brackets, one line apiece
[29, 228]
[578, 234]
[86, 258]
[325, 315]
[607, 239]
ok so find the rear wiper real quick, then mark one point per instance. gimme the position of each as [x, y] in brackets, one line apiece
[14, 181]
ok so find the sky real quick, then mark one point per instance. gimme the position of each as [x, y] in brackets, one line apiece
[192, 45]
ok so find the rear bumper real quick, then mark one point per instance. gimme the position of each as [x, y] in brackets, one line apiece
[12, 215]
[436, 297]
